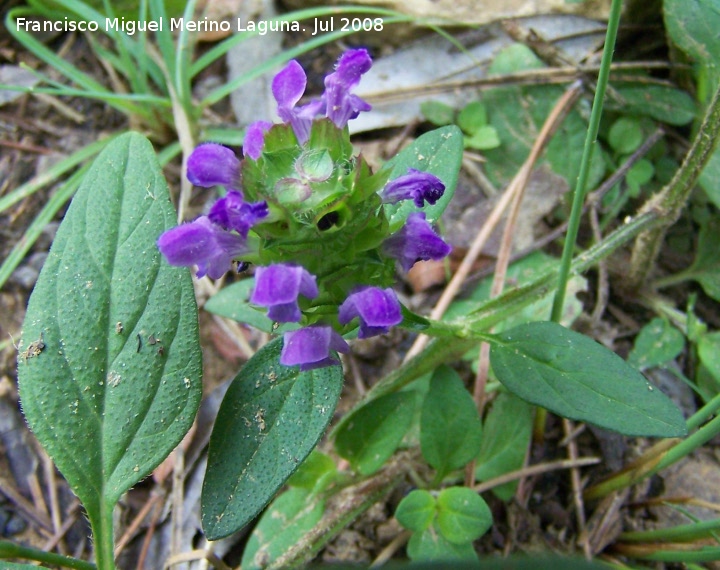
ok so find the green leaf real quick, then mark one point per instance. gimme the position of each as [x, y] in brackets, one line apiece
[657, 343]
[438, 152]
[662, 103]
[315, 474]
[709, 353]
[232, 302]
[693, 27]
[706, 266]
[430, 545]
[640, 173]
[463, 515]
[709, 178]
[269, 421]
[373, 434]
[473, 117]
[106, 403]
[439, 114]
[518, 113]
[416, 511]
[285, 522]
[484, 138]
[625, 135]
[506, 435]
[575, 377]
[450, 428]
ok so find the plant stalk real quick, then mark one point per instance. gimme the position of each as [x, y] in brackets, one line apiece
[590, 140]
[671, 200]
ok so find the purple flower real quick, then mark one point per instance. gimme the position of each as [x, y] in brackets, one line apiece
[204, 244]
[341, 105]
[419, 186]
[378, 309]
[211, 164]
[232, 213]
[416, 241]
[255, 138]
[278, 287]
[310, 347]
[288, 87]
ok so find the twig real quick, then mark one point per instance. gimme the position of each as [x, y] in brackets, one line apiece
[387, 552]
[535, 470]
[517, 188]
[576, 484]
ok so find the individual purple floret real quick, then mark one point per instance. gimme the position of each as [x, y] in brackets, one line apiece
[204, 244]
[212, 164]
[416, 241]
[255, 138]
[288, 87]
[341, 105]
[233, 213]
[310, 347]
[277, 287]
[416, 185]
[378, 309]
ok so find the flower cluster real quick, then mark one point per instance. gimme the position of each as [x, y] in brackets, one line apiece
[312, 217]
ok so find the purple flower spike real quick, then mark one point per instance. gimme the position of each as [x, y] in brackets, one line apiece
[212, 164]
[278, 286]
[255, 138]
[341, 105]
[310, 347]
[204, 244]
[416, 241]
[378, 309]
[419, 186]
[232, 213]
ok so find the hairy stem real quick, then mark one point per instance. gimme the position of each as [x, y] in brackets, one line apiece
[670, 201]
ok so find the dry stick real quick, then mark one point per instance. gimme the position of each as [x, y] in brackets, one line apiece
[176, 516]
[138, 520]
[538, 469]
[55, 510]
[387, 552]
[517, 189]
[576, 485]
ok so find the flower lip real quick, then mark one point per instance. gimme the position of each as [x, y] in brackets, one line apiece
[310, 347]
[341, 105]
[233, 213]
[204, 244]
[416, 241]
[212, 164]
[278, 286]
[416, 185]
[378, 310]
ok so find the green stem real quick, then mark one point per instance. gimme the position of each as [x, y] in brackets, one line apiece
[590, 140]
[678, 533]
[104, 536]
[12, 550]
[670, 201]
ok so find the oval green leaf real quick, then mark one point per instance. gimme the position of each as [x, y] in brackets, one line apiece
[269, 421]
[416, 511]
[372, 435]
[450, 428]
[575, 377]
[107, 401]
[463, 515]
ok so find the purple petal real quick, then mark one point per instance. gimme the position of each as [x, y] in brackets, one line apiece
[232, 213]
[255, 138]
[378, 309]
[416, 241]
[415, 185]
[212, 164]
[204, 244]
[310, 347]
[278, 287]
[289, 84]
[341, 105]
